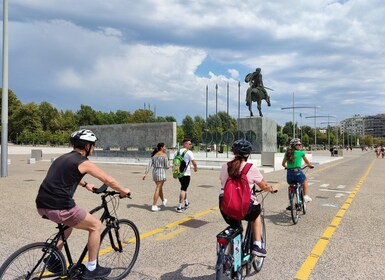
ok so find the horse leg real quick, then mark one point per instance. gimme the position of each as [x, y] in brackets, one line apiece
[251, 110]
[259, 108]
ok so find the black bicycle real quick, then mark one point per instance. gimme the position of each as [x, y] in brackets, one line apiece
[297, 202]
[234, 257]
[119, 249]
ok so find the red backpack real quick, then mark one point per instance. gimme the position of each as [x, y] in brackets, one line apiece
[237, 195]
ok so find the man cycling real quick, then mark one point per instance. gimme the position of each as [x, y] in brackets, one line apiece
[242, 150]
[55, 197]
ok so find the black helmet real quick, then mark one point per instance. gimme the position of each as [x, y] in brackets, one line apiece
[242, 147]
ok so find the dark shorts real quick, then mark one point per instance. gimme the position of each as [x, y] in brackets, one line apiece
[295, 175]
[184, 182]
[70, 217]
[252, 214]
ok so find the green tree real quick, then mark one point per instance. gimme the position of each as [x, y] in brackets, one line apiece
[122, 117]
[86, 116]
[142, 116]
[227, 122]
[170, 119]
[26, 120]
[49, 116]
[199, 126]
[282, 139]
[214, 123]
[188, 127]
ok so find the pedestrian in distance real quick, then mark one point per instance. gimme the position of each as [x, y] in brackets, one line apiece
[241, 150]
[55, 196]
[293, 163]
[185, 180]
[159, 164]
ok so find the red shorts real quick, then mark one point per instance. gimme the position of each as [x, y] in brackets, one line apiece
[70, 217]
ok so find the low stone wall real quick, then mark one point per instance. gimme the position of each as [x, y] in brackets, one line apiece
[140, 136]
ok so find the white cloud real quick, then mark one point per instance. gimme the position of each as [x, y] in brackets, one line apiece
[151, 50]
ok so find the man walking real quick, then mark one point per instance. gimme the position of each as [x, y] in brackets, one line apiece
[185, 180]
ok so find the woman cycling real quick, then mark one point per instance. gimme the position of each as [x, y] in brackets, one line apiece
[293, 162]
[242, 150]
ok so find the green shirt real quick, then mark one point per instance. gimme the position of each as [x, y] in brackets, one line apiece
[298, 155]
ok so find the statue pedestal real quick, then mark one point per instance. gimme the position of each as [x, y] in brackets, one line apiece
[261, 132]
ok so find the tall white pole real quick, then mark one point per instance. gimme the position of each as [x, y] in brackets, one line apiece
[4, 105]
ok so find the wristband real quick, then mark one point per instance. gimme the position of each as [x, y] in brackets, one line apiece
[85, 184]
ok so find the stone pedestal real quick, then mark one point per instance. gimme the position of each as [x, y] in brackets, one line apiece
[261, 132]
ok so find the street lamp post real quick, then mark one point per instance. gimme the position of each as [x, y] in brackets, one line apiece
[328, 123]
[315, 125]
[293, 108]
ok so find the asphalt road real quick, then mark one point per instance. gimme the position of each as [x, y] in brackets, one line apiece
[341, 236]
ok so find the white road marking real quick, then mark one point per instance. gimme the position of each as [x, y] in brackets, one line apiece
[328, 190]
[324, 185]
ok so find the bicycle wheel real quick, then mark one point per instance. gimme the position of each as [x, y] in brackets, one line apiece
[258, 261]
[32, 262]
[224, 265]
[293, 205]
[304, 206]
[119, 248]
[219, 267]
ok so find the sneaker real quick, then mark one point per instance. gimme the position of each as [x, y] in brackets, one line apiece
[154, 208]
[165, 202]
[186, 205]
[288, 207]
[307, 198]
[99, 272]
[257, 251]
[179, 209]
[53, 264]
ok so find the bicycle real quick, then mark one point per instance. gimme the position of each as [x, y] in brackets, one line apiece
[119, 249]
[234, 257]
[296, 200]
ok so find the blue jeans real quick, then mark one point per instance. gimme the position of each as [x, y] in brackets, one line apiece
[295, 176]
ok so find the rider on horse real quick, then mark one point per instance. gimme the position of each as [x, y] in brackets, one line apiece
[256, 86]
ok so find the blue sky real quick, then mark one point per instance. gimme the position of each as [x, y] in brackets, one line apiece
[120, 54]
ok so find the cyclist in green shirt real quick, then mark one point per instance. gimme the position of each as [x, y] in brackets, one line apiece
[293, 162]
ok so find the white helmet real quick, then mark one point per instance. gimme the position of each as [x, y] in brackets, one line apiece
[295, 141]
[83, 134]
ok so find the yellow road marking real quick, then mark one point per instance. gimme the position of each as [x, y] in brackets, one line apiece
[176, 223]
[311, 261]
[170, 235]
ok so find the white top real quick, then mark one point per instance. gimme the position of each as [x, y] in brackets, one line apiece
[188, 157]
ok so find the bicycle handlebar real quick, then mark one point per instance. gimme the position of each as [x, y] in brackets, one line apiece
[303, 167]
[103, 189]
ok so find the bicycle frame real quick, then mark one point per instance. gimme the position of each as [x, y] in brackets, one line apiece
[239, 256]
[106, 216]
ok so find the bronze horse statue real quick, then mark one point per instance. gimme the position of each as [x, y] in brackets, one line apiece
[256, 91]
[256, 95]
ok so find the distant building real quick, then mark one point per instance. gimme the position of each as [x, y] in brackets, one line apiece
[375, 125]
[361, 126]
[353, 126]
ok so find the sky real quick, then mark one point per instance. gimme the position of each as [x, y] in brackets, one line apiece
[169, 56]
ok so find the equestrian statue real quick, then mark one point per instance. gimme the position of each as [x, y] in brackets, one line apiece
[256, 91]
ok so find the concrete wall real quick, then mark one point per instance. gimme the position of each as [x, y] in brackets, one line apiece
[138, 135]
[265, 130]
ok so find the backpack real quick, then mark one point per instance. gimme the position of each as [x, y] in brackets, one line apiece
[179, 165]
[237, 195]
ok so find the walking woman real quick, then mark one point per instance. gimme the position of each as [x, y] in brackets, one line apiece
[159, 163]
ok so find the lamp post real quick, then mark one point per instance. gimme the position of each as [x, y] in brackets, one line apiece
[328, 123]
[293, 108]
[4, 105]
[315, 124]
